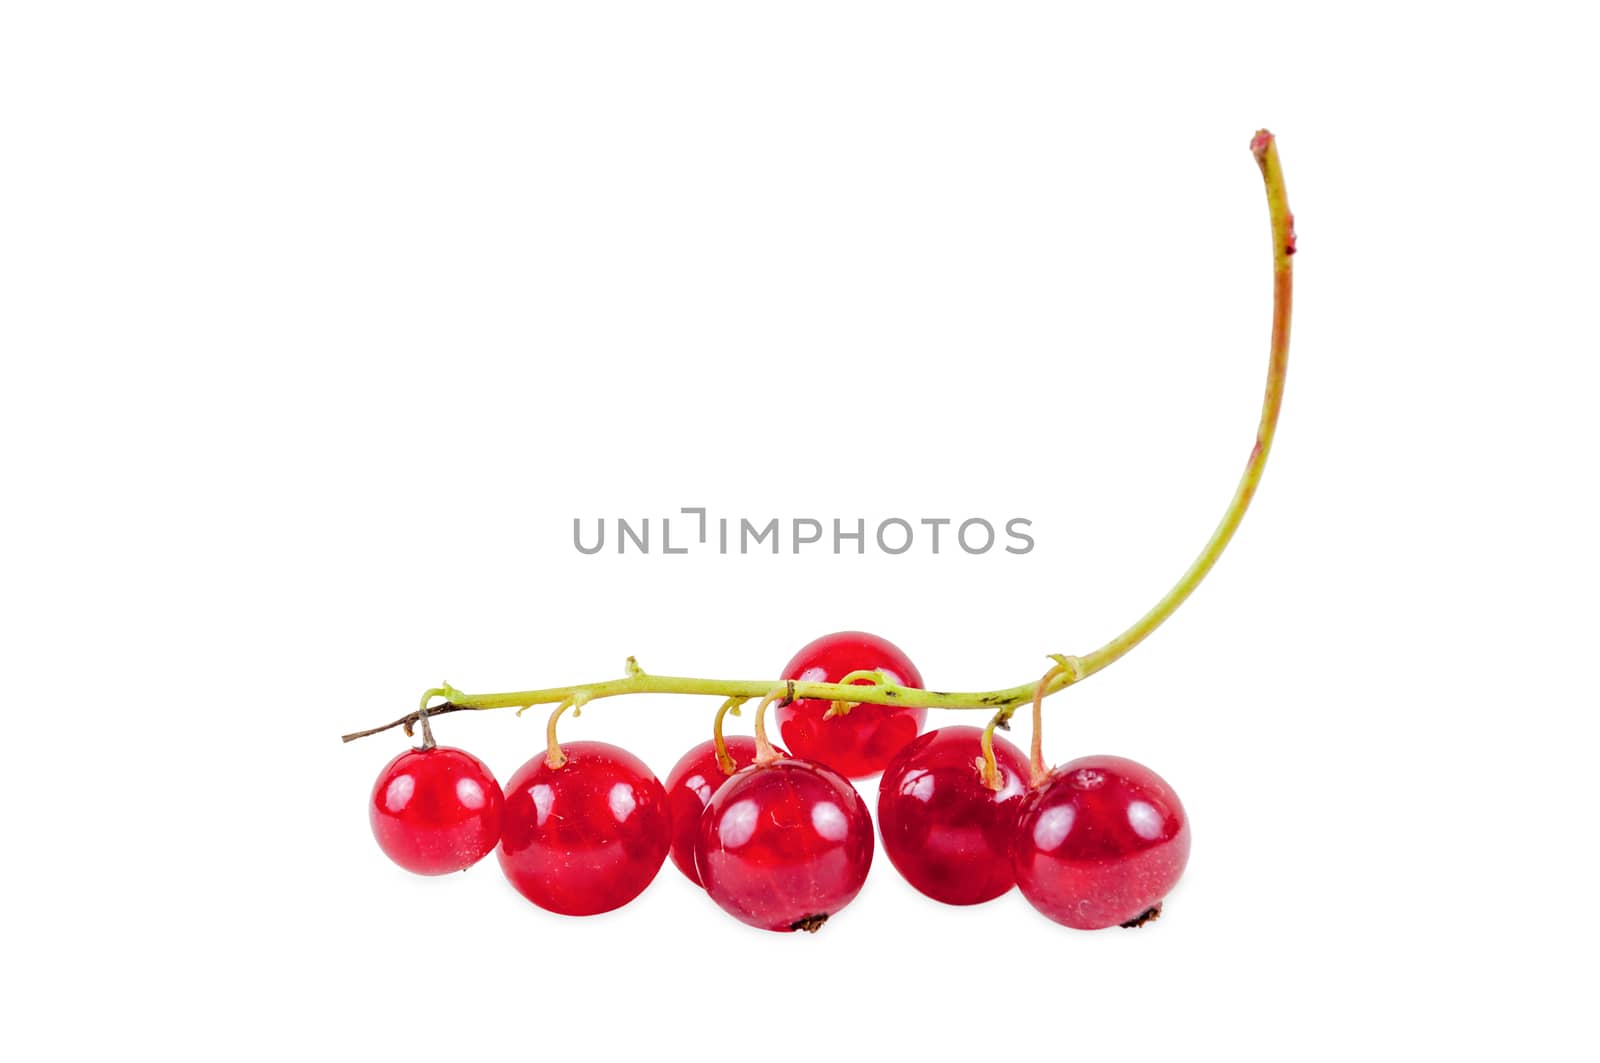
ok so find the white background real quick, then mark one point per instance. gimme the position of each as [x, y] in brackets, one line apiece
[321, 321]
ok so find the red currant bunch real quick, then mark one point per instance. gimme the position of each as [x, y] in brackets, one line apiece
[785, 842]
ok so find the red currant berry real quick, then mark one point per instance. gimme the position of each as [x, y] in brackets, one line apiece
[435, 810]
[588, 836]
[784, 845]
[1100, 843]
[943, 828]
[690, 784]
[863, 741]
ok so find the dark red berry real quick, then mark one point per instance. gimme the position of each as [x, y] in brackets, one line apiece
[943, 827]
[784, 845]
[1100, 843]
[588, 836]
[690, 784]
[436, 810]
[863, 741]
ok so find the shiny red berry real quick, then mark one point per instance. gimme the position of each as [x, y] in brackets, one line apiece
[944, 829]
[784, 845]
[435, 810]
[588, 836]
[690, 784]
[1100, 843]
[863, 741]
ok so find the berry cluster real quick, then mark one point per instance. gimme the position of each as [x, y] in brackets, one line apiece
[782, 841]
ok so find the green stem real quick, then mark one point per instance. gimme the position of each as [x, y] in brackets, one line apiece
[741, 688]
[1005, 700]
[1265, 149]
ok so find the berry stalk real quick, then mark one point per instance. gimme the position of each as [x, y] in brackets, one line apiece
[1004, 701]
[1265, 149]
